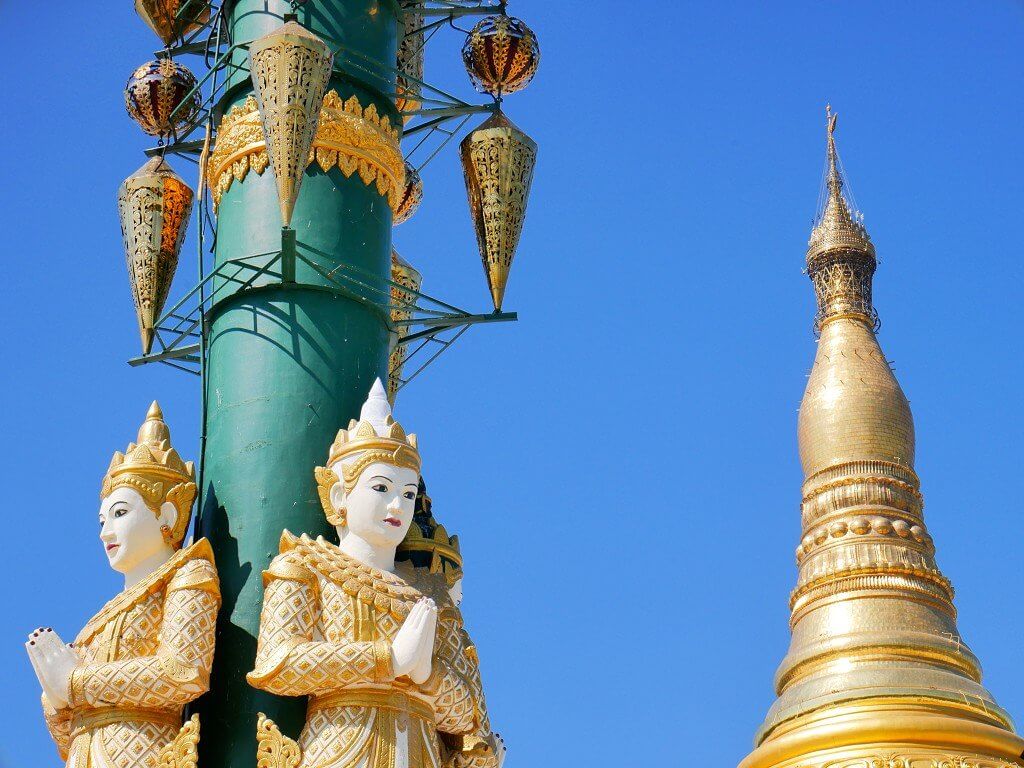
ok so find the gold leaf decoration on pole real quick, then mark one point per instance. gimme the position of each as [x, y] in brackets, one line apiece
[290, 70]
[154, 204]
[403, 295]
[356, 140]
[498, 161]
[410, 60]
[412, 195]
[172, 19]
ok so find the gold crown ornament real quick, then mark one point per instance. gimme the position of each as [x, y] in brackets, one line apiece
[376, 437]
[428, 545]
[154, 469]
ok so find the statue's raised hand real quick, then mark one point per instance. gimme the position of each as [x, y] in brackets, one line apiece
[53, 662]
[407, 647]
[421, 671]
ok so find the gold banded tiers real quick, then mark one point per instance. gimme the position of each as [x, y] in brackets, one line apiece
[877, 674]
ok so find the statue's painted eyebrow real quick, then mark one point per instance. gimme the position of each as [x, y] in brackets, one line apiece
[380, 477]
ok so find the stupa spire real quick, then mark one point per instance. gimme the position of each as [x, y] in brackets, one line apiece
[877, 674]
[840, 255]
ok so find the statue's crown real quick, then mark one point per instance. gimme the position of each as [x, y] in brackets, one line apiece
[376, 432]
[154, 469]
[376, 437]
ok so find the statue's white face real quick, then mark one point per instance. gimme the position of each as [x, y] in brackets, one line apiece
[379, 508]
[129, 530]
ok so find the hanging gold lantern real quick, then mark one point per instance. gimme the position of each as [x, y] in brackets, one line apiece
[165, 17]
[403, 296]
[410, 61]
[154, 204]
[498, 161]
[501, 55]
[290, 70]
[156, 91]
[412, 195]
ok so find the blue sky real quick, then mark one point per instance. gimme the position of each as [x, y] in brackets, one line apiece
[620, 465]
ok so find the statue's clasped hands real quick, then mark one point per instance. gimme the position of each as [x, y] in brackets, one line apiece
[413, 646]
[53, 662]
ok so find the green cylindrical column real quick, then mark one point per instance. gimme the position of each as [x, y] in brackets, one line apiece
[288, 365]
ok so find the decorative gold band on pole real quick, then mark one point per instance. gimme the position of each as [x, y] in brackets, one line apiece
[354, 139]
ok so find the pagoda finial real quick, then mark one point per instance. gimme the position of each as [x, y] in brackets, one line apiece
[838, 225]
[835, 182]
[840, 255]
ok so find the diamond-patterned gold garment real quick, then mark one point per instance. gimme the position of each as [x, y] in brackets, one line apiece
[145, 655]
[326, 631]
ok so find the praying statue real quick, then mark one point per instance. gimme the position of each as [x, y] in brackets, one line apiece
[378, 646]
[115, 696]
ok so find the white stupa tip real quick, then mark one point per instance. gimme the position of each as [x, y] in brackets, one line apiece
[377, 409]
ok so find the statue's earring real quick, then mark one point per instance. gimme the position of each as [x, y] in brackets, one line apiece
[337, 516]
[165, 531]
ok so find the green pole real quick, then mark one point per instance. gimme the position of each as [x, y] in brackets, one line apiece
[289, 363]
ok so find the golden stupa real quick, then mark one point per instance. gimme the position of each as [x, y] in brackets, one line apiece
[877, 674]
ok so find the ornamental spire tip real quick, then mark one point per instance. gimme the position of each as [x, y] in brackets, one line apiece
[838, 224]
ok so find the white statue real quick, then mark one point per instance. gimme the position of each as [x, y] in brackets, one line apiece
[115, 696]
[378, 646]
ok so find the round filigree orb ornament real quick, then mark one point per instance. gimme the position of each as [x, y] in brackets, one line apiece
[412, 195]
[154, 93]
[501, 55]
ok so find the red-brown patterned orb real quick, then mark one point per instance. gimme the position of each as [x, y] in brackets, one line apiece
[501, 55]
[153, 93]
[412, 196]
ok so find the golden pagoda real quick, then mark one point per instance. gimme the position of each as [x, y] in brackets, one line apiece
[877, 674]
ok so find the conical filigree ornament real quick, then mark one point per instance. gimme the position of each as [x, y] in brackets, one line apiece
[498, 161]
[290, 70]
[173, 19]
[156, 91]
[154, 204]
[403, 296]
[410, 61]
[412, 195]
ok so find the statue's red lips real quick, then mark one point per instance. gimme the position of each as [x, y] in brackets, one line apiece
[393, 521]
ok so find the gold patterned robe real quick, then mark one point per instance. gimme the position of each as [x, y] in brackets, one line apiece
[144, 656]
[326, 631]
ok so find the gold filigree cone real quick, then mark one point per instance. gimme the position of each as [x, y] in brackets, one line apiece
[498, 161]
[154, 205]
[290, 70]
[403, 295]
[162, 16]
[410, 61]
